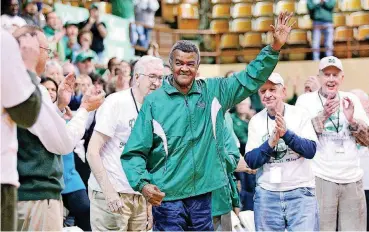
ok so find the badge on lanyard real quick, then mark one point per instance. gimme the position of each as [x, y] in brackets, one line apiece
[275, 176]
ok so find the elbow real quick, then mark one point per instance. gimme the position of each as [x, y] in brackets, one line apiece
[249, 162]
[310, 153]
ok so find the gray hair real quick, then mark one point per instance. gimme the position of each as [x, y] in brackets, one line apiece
[54, 63]
[142, 63]
[184, 46]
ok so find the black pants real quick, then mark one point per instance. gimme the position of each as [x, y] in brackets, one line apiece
[78, 205]
[8, 207]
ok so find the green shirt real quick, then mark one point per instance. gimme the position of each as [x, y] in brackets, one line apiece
[177, 142]
[123, 8]
[322, 12]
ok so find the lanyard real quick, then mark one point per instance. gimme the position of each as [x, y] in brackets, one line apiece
[134, 100]
[338, 117]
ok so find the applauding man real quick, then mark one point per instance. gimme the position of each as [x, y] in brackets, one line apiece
[340, 123]
[281, 142]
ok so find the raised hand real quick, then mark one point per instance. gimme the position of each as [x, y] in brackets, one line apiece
[30, 50]
[65, 91]
[153, 194]
[349, 109]
[281, 30]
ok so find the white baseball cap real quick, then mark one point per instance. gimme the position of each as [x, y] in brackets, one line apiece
[275, 78]
[330, 61]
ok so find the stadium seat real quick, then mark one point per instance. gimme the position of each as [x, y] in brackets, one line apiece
[192, 2]
[267, 38]
[301, 7]
[284, 5]
[262, 24]
[339, 20]
[169, 10]
[362, 33]
[251, 40]
[221, 1]
[263, 9]
[229, 41]
[238, 1]
[240, 25]
[297, 37]
[357, 19]
[219, 25]
[228, 59]
[365, 4]
[343, 34]
[188, 17]
[305, 22]
[350, 5]
[221, 11]
[294, 19]
[241, 10]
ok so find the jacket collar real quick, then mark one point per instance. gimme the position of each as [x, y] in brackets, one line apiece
[170, 89]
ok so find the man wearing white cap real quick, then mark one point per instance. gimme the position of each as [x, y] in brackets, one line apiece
[281, 143]
[340, 123]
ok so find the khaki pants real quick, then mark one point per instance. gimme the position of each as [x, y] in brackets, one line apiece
[341, 205]
[43, 215]
[8, 207]
[134, 217]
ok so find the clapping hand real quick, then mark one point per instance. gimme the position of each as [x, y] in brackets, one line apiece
[66, 90]
[349, 109]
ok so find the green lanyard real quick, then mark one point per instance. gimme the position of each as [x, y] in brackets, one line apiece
[338, 117]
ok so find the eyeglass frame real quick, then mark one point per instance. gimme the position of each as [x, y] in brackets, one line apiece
[160, 78]
[48, 50]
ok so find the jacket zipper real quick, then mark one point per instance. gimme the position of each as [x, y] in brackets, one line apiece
[193, 159]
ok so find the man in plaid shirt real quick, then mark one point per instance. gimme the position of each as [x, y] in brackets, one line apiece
[341, 124]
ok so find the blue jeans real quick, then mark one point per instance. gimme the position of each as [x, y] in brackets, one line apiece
[294, 210]
[78, 205]
[190, 214]
[328, 31]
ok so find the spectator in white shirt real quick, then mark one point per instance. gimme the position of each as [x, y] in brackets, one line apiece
[280, 144]
[20, 105]
[10, 20]
[340, 122]
[39, 162]
[111, 193]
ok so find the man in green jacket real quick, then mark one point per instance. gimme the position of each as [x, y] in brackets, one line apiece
[321, 12]
[175, 154]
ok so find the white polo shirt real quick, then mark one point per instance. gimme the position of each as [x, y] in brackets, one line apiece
[115, 118]
[296, 171]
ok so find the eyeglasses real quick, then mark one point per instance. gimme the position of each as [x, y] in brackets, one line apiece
[48, 50]
[153, 77]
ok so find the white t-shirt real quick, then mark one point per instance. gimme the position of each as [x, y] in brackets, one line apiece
[337, 157]
[10, 23]
[364, 164]
[295, 170]
[115, 118]
[16, 87]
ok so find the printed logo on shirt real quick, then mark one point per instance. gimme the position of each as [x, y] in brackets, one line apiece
[282, 153]
[201, 104]
[131, 123]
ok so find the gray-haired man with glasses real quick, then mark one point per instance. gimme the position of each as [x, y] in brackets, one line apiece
[280, 145]
[114, 204]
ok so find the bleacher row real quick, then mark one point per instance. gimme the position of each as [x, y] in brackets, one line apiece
[246, 23]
